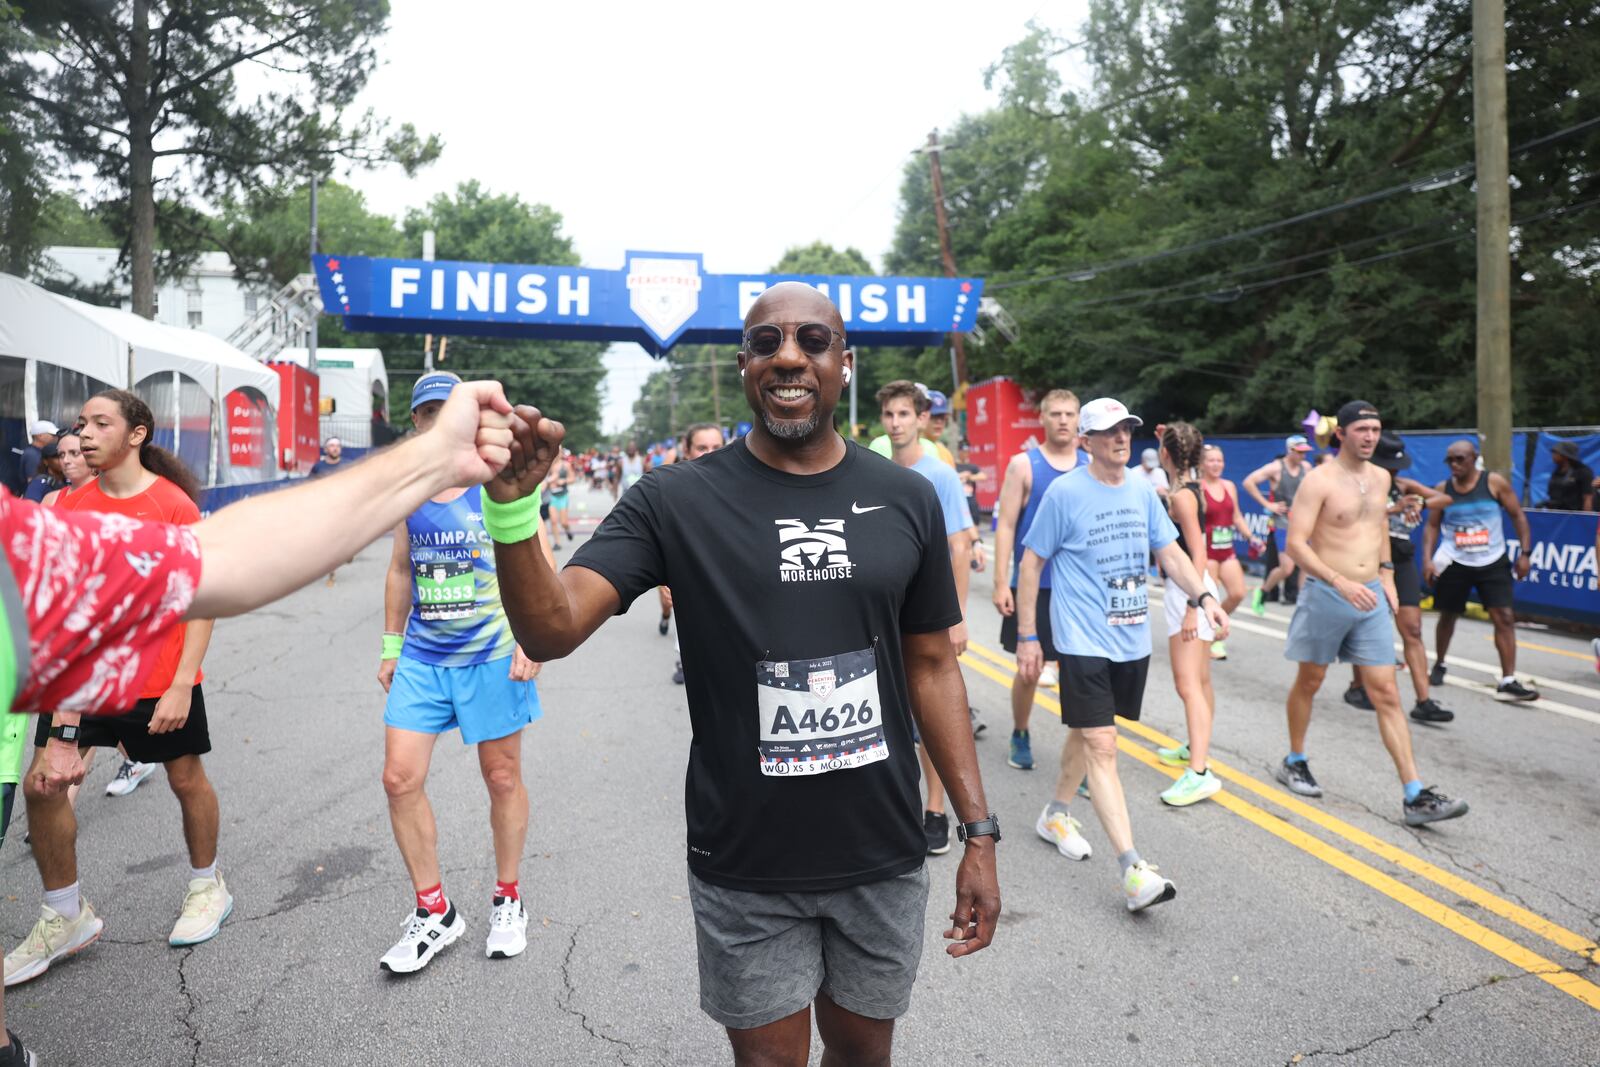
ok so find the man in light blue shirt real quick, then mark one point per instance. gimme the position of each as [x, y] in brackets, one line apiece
[1096, 528]
[904, 412]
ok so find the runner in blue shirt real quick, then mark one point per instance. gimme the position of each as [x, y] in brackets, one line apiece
[449, 660]
[1096, 528]
[905, 416]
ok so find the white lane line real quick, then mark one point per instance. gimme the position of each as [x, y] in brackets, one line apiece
[1542, 704]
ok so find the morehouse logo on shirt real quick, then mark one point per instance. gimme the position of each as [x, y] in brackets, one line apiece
[812, 553]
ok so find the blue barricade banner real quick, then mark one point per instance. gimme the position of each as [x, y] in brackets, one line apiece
[657, 299]
[220, 496]
[1562, 582]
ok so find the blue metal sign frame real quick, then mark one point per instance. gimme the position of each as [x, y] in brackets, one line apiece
[658, 299]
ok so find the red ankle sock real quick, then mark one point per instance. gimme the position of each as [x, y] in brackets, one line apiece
[507, 890]
[433, 900]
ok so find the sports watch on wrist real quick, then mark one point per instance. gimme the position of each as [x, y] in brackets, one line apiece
[989, 827]
[66, 733]
[1201, 599]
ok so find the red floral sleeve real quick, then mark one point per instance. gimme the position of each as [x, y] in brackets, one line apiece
[99, 592]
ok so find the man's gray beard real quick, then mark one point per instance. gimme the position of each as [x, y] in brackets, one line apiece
[790, 430]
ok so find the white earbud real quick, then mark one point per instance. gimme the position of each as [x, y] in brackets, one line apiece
[741, 372]
[847, 376]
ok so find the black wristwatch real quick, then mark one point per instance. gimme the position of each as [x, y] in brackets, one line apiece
[66, 733]
[989, 827]
[1197, 601]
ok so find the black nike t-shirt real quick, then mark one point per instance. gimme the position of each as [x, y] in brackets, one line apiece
[791, 593]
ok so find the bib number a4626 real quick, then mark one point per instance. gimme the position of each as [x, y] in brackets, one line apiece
[819, 715]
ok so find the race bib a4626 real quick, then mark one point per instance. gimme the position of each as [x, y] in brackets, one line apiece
[820, 715]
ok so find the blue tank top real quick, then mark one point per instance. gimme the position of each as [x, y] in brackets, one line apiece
[1470, 530]
[457, 619]
[1043, 475]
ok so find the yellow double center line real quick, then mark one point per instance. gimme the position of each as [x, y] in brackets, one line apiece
[1000, 669]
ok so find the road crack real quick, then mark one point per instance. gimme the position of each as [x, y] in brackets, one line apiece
[190, 1026]
[625, 1049]
[1416, 1025]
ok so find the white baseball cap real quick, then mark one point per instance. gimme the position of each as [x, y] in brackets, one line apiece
[1105, 413]
[43, 426]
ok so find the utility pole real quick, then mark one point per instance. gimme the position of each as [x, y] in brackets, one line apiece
[427, 342]
[311, 332]
[1494, 232]
[959, 350]
[716, 386]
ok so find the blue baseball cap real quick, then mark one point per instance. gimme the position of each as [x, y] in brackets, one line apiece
[940, 402]
[1296, 443]
[435, 385]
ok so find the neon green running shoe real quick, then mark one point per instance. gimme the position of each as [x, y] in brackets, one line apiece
[1258, 602]
[1191, 788]
[1174, 757]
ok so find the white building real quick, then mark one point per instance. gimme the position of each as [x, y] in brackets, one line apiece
[207, 298]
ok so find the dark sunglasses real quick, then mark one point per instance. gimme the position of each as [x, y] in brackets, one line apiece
[814, 338]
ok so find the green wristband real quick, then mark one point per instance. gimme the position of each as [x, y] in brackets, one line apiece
[391, 646]
[510, 523]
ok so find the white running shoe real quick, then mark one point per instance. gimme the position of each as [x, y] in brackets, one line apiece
[1144, 887]
[205, 906]
[426, 933]
[1064, 832]
[53, 937]
[129, 775]
[1047, 677]
[508, 929]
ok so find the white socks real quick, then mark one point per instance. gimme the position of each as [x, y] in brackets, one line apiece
[65, 902]
[1508, 679]
[209, 873]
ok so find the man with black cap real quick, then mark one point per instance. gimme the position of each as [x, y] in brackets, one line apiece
[1571, 483]
[1338, 535]
[1406, 501]
[1472, 556]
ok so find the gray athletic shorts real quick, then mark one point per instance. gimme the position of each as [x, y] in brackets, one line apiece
[765, 956]
[1326, 627]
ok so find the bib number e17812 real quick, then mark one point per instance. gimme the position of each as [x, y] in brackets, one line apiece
[820, 715]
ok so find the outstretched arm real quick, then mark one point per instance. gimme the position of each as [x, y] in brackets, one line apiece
[268, 546]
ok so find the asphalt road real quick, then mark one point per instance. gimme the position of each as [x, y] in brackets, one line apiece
[1302, 931]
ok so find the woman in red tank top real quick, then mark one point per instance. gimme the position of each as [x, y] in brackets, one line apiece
[1223, 521]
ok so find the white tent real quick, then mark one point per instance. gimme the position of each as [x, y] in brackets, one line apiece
[99, 346]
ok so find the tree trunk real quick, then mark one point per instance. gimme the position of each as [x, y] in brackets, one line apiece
[141, 166]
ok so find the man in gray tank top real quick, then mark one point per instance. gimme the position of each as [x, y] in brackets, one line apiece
[1284, 474]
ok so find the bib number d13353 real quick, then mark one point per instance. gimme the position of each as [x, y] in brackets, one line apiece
[447, 588]
[820, 715]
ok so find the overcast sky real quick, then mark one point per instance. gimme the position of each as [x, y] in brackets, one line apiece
[735, 130]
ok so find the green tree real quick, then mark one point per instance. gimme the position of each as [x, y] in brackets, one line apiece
[23, 189]
[564, 378]
[146, 93]
[267, 235]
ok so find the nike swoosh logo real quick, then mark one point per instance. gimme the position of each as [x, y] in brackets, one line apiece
[859, 510]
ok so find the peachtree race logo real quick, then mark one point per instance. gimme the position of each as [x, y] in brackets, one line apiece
[664, 293]
[810, 554]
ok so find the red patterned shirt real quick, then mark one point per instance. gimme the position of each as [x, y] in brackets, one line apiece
[100, 593]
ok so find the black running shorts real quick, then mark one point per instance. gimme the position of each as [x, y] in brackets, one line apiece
[132, 730]
[1094, 691]
[1008, 626]
[1493, 583]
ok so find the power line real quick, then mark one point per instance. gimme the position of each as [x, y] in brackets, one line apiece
[1436, 180]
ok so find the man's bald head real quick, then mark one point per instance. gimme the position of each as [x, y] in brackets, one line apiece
[1463, 447]
[794, 302]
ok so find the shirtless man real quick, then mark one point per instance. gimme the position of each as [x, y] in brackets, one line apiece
[1339, 536]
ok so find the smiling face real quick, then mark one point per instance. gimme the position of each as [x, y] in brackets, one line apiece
[794, 394]
[1211, 462]
[104, 435]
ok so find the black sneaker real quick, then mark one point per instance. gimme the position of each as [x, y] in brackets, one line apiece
[978, 725]
[15, 1055]
[1356, 697]
[1436, 676]
[1430, 711]
[1514, 690]
[1297, 776]
[1433, 807]
[936, 828]
[677, 675]
[666, 621]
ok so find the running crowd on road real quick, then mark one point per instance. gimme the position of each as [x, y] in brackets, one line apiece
[819, 626]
